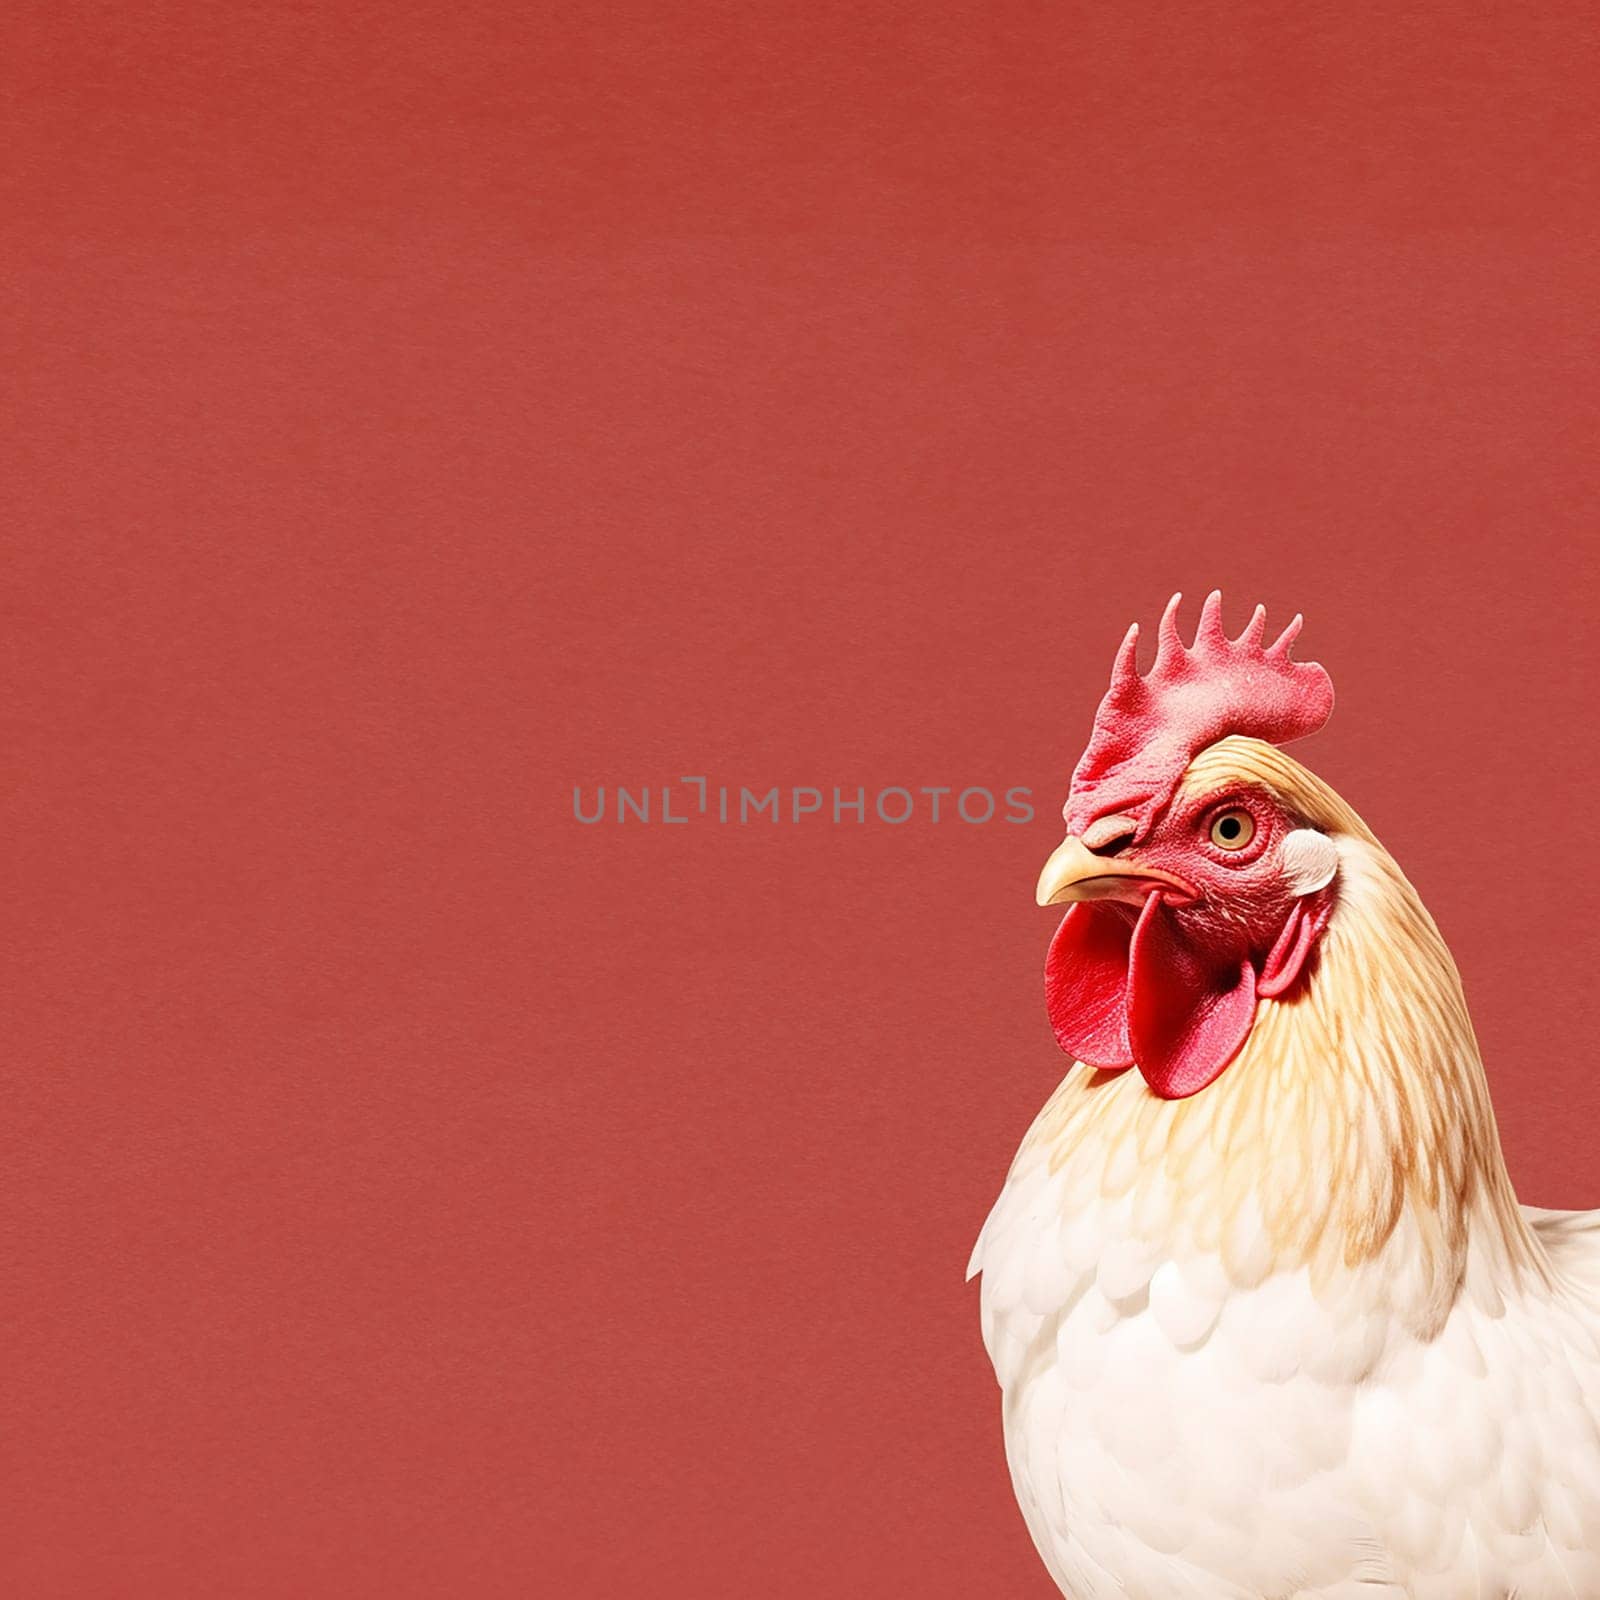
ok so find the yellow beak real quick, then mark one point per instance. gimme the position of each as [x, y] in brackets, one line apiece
[1075, 872]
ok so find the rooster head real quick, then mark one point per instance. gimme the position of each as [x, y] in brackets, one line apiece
[1195, 888]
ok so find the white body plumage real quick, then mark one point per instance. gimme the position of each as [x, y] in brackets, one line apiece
[1175, 1433]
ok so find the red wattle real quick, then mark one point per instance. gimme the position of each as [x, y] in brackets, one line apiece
[1188, 1013]
[1086, 984]
[1288, 956]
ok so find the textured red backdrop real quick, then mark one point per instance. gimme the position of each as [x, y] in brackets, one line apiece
[417, 410]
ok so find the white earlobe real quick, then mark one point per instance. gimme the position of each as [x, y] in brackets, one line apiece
[1310, 860]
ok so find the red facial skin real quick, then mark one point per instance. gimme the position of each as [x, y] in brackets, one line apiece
[1172, 985]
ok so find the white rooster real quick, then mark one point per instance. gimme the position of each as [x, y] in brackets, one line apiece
[1268, 1320]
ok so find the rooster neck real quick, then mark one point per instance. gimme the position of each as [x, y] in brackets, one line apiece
[1353, 1132]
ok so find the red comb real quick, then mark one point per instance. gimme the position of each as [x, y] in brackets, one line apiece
[1148, 729]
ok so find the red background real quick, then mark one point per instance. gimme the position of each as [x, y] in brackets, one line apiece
[415, 411]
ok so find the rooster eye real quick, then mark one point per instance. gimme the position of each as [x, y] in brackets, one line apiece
[1233, 830]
